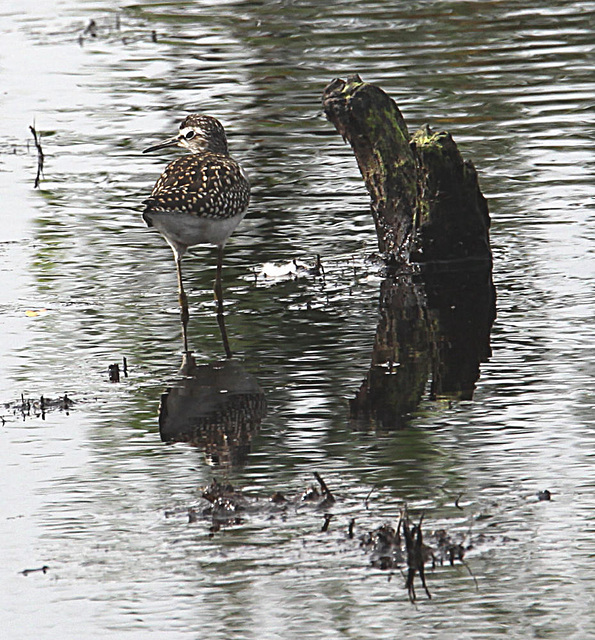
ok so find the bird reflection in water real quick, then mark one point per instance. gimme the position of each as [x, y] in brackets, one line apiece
[217, 407]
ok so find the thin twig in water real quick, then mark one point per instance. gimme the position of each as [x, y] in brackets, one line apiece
[40, 155]
[327, 519]
[26, 572]
[350, 530]
[368, 496]
[464, 563]
[325, 490]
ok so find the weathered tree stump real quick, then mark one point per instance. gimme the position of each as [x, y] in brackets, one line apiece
[426, 201]
[428, 209]
[372, 123]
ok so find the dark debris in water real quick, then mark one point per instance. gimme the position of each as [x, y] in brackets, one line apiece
[113, 370]
[406, 547]
[37, 407]
[110, 29]
[26, 572]
[40, 155]
[226, 505]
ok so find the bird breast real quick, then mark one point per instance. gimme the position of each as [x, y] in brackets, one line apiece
[205, 185]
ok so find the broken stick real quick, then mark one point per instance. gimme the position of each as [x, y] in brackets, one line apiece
[40, 156]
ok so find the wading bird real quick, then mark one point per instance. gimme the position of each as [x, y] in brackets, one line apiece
[200, 198]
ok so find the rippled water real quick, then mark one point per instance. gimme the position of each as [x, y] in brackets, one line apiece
[94, 493]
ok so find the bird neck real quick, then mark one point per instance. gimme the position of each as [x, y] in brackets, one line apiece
[217, 146]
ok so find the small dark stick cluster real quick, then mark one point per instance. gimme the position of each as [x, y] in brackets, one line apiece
[392, 548]
[415, 554]
[29, 408]
[114, 370]
[326, 492]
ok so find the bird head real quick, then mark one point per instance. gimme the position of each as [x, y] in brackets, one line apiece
[197, 133]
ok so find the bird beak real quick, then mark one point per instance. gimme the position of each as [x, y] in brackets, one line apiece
[172, 142]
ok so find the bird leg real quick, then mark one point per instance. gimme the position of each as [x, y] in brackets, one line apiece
[183, 300]
[218, 286]
[219, 298]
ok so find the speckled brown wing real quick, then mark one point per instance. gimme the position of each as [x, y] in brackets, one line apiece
[205, 185]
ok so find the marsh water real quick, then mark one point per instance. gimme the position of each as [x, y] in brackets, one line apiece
[89, 488]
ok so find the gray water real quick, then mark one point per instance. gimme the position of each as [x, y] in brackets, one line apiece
[96, 496]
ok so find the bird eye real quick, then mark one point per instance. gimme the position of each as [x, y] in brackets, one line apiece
[190, 135]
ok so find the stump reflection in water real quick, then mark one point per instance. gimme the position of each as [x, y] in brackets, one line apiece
[434, 327]
[217, 407]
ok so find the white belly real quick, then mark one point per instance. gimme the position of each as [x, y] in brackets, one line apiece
[183, 230]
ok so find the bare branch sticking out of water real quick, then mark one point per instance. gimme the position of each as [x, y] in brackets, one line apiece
[327, 520]
[40, 156]
[326, 492]
[415, 554]
[368, 496]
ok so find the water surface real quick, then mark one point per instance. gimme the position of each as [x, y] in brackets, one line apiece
[87, 492]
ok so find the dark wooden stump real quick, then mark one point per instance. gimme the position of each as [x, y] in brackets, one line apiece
[372, 123]
[428, 210]
[426, 200]
[452, 220]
